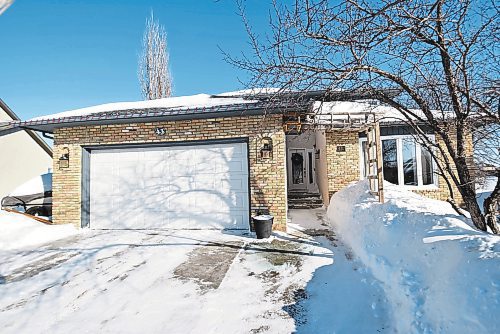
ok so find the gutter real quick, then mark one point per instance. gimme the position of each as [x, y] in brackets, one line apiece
[160, 114]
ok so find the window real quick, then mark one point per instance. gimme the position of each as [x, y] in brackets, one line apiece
[310, 164]
[390, 157]
[405, 162]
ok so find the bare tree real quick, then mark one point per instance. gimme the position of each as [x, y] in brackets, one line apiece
[439, 53]
[154, 73]
[4, 4]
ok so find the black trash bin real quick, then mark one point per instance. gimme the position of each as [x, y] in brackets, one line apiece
[263, 225]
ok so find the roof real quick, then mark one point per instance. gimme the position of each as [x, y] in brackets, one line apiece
[246, 102]
[358, 111]
[32, 134]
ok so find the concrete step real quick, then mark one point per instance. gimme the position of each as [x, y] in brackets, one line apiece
[304, 206]
[303, 195]
[304, 200]
[316, 200]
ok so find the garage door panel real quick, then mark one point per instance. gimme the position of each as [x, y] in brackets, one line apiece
[205, 182]
[181, 153]
[154, 200]
[154, 169]
[170, 187]
[234, 166]
[180, 168]
[154, 183]
[208, 166]
[231, 183]
[181, 183]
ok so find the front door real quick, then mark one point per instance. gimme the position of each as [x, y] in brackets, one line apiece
[297, 169]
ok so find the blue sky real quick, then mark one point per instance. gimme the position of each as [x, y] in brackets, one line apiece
[61, 55]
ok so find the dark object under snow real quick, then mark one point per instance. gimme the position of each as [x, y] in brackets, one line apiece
[33, 197]
[35, 204]
[263, 225]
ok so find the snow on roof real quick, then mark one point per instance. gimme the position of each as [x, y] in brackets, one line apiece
[192, 101]
[324, 110]
[340, 110]
[252, 91]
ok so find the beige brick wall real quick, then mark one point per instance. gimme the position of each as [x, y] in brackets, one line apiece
[343, 167]
[267, 177]
[442, 193]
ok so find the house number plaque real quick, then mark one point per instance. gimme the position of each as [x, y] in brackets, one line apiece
[160, 131]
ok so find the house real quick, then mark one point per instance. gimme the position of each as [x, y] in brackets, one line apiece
[24, 154]
[213, 161]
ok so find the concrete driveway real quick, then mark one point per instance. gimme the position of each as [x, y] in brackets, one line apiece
[170, 281]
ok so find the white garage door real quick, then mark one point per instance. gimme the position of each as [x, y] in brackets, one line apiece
[202, 186]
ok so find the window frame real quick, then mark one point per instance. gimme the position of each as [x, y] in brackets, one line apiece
[399, 154]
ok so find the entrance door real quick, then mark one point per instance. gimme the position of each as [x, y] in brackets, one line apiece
[297, 169]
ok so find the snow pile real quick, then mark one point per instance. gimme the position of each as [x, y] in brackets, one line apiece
[192, 101]
[36, 185]
[18, 231]
[438, 273]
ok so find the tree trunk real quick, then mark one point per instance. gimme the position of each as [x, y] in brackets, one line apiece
[468, 193]
[490, 207]
[471, 204]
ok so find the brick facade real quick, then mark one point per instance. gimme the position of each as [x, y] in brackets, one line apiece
[344, 165]
[342, 156]
[267, 176]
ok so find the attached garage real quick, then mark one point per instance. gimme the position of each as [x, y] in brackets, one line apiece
[181, 185]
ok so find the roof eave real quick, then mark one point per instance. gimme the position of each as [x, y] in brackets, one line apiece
[48, 126]
[32, 134]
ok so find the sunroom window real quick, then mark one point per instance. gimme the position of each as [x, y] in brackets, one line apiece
[405, 162]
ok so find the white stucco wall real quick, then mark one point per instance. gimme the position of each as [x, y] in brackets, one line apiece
[21, 158]
[304, 140]
[321, 167]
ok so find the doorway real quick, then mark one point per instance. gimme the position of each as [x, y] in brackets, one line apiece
[301, 170]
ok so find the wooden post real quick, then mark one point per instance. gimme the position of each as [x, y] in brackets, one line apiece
[380, 163]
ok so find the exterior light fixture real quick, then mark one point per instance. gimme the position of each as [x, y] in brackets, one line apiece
[266, 150]
[64, 158]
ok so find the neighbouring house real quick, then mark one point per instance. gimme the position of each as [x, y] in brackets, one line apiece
[213, 161]
[24, 154]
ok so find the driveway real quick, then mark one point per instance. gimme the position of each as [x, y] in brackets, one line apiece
[168, 281]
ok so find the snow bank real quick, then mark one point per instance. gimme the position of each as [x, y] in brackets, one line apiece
[18, 231]
[439, 274]
[38, 184]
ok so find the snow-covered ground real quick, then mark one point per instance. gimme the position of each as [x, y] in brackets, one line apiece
[18, 231]
[439, 275]
[200, 281]
[410, 265]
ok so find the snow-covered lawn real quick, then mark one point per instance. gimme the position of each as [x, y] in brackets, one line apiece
[439, 275]
[410, 265]
[180, 281]
[18, 231]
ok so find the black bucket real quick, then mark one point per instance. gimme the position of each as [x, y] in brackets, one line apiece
[263, 225]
